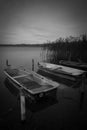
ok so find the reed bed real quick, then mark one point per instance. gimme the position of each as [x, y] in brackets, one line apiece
[70, 48]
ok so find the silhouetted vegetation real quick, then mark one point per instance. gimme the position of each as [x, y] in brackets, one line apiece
[70, 48]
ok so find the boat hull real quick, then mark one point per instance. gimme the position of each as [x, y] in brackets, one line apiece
[82, 66]
[37, 89]
[68, 76]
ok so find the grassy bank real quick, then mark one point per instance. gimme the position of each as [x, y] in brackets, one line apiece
[70, 48]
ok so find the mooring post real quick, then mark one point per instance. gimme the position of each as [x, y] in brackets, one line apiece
[22, 105]
[6, 62]
[83, 82]
[38, 64]
[32, 64]
[82, 90]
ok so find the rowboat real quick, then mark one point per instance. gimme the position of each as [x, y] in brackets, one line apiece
[82, 66]
[63, 72]
[35, 85]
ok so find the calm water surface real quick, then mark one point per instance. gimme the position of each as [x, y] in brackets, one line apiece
[17, 56]
[49, 114]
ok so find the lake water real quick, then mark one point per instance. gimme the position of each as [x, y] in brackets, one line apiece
[16, 56]
[61, 113]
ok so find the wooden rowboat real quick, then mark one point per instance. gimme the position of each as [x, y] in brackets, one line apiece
[35, 85]
[62, 72]
[82, 66]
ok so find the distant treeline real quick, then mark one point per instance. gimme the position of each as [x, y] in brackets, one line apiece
[70, 48]
[23, 45]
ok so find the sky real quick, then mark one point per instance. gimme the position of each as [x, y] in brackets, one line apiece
[39, 21]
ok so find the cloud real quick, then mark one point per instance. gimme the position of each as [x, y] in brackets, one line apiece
[41, 20]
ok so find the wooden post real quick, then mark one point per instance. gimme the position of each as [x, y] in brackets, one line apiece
[82, 91]
[22, 105]
[38, 64]
[6, 62]
[83, 83]
[32, 64]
